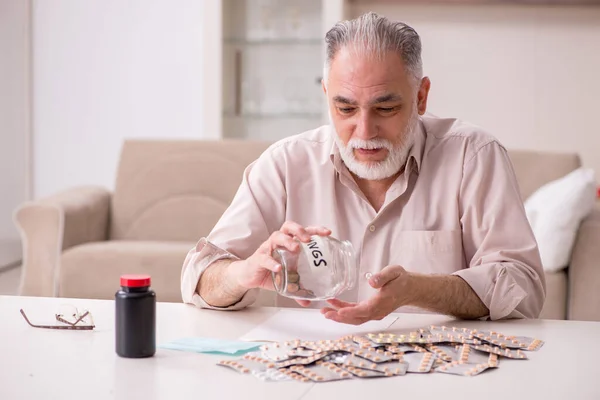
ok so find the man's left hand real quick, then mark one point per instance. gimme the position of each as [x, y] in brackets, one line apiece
[392, 286]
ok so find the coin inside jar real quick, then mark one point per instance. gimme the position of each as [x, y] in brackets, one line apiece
[278, 280]
[307, 294]
[293, 287]
[293, 277]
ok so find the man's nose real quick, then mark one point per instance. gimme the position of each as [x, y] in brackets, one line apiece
[365, 126]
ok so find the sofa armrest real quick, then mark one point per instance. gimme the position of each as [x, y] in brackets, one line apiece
[53, 224]
[584, 271]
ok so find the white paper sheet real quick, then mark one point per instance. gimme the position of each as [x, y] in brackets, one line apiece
[310, 325]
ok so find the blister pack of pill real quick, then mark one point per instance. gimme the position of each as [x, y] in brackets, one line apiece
[278, 375]
[366, 373]
[365, 343]
[460, 368]
[418, 362]
[444, 334]
[322, 372]
[511, 342]
[246, 365]
[469, 355]
[508, 353]
[301, 360]
[278, 351]
[405, 348]
[451, 350]
[444, 352]
[392, 338]
[374, 355]
[531, 344]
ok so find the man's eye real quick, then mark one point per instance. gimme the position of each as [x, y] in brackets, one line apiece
[386, 109]
[345, 110]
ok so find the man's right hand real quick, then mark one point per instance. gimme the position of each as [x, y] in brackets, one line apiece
[255, 271]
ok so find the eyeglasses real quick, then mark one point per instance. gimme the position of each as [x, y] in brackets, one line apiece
[71, 317]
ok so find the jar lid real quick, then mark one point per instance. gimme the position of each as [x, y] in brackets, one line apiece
[135, 280]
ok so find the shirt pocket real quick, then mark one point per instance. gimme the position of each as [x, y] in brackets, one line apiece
[429, 252]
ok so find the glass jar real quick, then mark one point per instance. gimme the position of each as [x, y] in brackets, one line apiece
[323, 269]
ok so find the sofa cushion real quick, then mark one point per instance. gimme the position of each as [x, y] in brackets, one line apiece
[555, 306]
[534, 169]
[93, 270]
[555, 212]
[176, 190]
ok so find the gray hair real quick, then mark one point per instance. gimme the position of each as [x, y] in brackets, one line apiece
[374, 35]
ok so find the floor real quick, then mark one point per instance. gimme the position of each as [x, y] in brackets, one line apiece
[9, 280]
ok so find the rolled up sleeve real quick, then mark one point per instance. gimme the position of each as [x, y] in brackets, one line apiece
[257, 209]
[202, 256]
[505, 268]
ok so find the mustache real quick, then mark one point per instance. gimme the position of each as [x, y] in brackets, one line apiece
[370, 144]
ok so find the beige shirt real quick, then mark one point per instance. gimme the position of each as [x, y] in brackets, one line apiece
[455, 210]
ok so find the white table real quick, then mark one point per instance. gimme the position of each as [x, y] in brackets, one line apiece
[58, 364]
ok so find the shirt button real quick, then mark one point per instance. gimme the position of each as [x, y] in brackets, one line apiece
[372, 228]
[368, 275]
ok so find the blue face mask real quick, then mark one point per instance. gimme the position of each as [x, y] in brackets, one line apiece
[212, 346]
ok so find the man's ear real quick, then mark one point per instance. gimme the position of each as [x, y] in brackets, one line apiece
[324, 86]
[423, 95]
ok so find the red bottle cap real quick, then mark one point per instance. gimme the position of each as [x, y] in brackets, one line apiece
[135, 280]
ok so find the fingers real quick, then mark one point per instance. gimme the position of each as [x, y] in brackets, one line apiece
[353, 315]
[296, 230]
[269, 263]
[366, 309]
[333, 315]
[386, 275]
[303, 303]
[280, 239]
[318, 230]
[361, 310]
[340, 304]
[303, 234]
[349, 313]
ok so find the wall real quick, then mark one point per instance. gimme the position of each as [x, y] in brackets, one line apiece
[14, 120]
[107, 70]
[528, 74]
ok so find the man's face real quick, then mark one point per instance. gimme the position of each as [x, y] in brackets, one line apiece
[373, 107]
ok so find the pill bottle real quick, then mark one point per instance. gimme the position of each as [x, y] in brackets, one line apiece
[324, 268]
[135, 317]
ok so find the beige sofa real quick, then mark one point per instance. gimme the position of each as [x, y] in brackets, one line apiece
[168, 194]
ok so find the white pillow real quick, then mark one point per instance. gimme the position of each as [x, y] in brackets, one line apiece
[555, 212]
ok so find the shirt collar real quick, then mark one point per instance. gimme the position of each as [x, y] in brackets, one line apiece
[415, 155]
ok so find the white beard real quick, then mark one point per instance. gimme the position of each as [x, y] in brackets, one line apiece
[386, 168]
